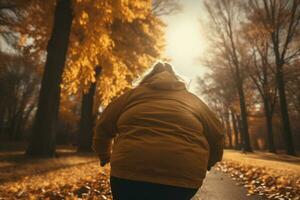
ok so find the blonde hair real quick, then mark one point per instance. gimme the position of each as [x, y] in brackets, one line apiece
[157, 68]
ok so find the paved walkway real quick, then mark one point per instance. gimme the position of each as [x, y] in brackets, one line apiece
[219, 186]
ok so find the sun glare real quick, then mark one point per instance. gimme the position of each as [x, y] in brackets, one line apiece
[185, 41]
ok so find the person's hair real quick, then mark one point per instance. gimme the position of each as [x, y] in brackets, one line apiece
[157, 68]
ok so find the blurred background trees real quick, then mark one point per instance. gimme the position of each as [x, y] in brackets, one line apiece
[63, 61]
[19, 84]
[73, 40]
[255, 44]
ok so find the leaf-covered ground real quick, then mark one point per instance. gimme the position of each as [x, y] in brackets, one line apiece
[271, 176]
[78, 176]
[70, 176]
[96, 187]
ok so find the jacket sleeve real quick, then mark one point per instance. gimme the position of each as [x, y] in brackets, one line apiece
[106, 128]
[214, 133]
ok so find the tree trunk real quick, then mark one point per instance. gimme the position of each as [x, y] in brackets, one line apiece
[87, 118]
[2, 117]
[228, 130]
[287, 133]
[245, 130]
[235, 130]
[43, 137]
[26, 117]
[240, 127]
[17, 127]
[11, 127]
[269, 124]
[222, 120]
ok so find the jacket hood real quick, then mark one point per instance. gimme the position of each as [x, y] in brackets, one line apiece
[165, 81]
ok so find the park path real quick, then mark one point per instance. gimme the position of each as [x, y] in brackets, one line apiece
[219, 186]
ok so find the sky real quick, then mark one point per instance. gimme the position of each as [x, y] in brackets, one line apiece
[185, 40]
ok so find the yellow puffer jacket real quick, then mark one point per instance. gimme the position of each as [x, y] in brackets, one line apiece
[161, 133]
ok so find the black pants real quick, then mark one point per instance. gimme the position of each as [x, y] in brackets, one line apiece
[123, 189]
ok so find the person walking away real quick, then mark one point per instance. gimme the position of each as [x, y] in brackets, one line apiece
[159, 138]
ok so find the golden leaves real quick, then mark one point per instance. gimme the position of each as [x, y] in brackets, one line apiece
[259, 180]
[82, 179]
[129, 10]
[120, 36]
[84, 18]
[23, 40]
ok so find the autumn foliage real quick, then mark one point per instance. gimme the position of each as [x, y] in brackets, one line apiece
[63, 61]
[122, 38]
[253, 51]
